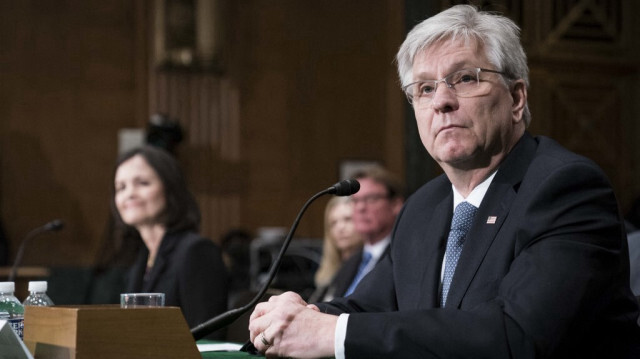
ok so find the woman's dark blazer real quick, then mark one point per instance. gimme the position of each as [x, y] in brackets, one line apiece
[189, 270]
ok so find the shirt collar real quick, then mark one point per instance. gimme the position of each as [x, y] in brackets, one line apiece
[476, 195]
[377, 248]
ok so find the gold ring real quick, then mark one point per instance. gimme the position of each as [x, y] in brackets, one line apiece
[264, 340]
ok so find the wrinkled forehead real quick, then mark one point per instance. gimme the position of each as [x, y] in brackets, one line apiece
[472, 45]
[444, 56]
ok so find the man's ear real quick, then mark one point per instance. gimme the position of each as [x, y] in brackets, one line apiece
[519, 96]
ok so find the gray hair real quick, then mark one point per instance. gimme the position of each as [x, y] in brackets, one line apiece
[499, 35]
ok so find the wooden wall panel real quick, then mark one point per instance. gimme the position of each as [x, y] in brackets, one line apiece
[67, 84]
[304, 86]
[317, 86]
[206, 106]
[584, 61]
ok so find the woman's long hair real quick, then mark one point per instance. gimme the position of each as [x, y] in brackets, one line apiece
[331, 256]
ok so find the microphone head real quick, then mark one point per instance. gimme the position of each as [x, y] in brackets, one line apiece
[345, 187]
[54, 225]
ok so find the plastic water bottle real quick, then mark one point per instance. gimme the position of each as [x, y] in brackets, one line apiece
[38, 295]
[10, 308]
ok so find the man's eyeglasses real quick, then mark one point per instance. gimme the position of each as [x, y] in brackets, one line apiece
[463, 83]
[368, 199]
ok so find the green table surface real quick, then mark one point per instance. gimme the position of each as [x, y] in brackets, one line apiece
[235, 354]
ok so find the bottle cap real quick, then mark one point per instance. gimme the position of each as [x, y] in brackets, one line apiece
[37, 286]
[6, 287]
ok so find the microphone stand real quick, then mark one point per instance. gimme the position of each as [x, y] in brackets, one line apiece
[342, 188]
[54, 225]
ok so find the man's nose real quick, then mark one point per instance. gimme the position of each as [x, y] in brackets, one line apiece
[444, 99]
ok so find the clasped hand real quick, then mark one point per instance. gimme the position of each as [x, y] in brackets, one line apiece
[286, 326]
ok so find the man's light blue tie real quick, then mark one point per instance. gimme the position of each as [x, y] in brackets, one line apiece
[366, 258]
[462, 219]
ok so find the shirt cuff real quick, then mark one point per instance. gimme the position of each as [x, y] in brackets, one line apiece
[340, 335]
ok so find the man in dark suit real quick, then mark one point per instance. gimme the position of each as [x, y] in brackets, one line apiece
[375, 208]
[517, 251]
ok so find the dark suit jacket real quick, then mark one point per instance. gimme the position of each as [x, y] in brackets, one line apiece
[189, 270]
[548, 279]
[345, 275]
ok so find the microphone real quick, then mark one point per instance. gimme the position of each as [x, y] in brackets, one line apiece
[342, 188]
[345, 188]
[54, 225]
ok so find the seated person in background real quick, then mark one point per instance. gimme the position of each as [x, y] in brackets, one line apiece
[236, 247]
[151, 201]
[375, 208]
[340, 242]
[517, 251]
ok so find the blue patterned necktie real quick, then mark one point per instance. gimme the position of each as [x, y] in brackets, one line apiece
[462, 219]
[366, 258]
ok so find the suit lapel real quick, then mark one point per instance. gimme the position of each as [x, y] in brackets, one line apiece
[161, 262]
[491, 215]
[481, 235]
[136, 272]
[154, 276]
[434, 233]
[346, 273]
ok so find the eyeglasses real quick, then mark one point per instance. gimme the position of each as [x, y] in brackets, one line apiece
[368, 199]
[463, 83]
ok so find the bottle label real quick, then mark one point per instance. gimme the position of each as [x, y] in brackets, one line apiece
[17, 325]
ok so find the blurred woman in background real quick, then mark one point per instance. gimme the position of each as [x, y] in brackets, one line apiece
[340, 242]
[151, 201]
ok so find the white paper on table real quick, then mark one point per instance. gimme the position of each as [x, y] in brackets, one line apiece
[219, 347]
[11, 346]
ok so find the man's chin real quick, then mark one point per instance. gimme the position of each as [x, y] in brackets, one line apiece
[454, 158]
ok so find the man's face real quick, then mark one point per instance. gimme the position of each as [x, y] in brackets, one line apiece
[374, 213]
[465, 132]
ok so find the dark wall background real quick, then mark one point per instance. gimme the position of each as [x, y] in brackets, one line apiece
[295, 89]
[300, 87]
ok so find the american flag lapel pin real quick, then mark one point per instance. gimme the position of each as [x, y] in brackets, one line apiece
[491, 219]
